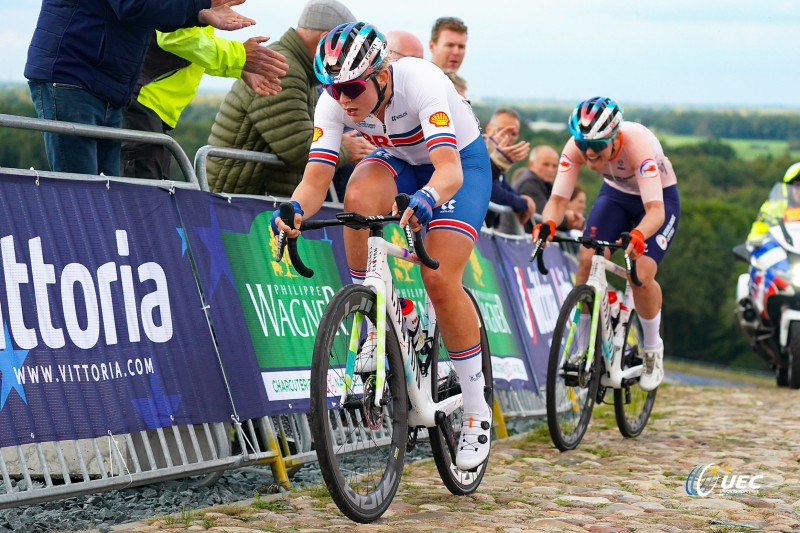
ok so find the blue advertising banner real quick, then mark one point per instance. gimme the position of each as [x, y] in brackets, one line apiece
[535, 299]
[103, 328]
[265, 315]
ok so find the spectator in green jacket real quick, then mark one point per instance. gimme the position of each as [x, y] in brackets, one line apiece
[282, 124]
[173, 68]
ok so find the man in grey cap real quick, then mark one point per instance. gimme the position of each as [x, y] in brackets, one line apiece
[281, 124]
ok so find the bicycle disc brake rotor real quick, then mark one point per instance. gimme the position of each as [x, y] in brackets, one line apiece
[373, 416]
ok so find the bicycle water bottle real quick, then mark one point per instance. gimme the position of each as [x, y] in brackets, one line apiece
[613, 305]
[412, 322]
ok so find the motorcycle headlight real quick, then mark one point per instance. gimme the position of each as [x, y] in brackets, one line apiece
[795, 275]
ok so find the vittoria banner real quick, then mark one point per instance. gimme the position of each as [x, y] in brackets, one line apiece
[103, 330]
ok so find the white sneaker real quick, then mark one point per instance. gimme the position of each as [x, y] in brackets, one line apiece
[365, 359]
[653, 368]
[475, 440]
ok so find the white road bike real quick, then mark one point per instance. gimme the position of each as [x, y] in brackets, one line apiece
[364, 423]
[605, 353]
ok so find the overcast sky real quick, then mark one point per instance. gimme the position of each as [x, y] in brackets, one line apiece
[701, 52]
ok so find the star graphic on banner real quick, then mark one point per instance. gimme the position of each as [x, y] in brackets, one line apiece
[9, 360]
[182, 235]
[212, 240]
[157, 410]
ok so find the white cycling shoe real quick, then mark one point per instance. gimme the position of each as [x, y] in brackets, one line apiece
[475, 440]
[652, 368]
[365, 359]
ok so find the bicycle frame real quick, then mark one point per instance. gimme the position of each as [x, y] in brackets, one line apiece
[423, 409]
[612, 339]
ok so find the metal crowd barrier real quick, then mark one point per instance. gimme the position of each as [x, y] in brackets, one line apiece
[54, 470]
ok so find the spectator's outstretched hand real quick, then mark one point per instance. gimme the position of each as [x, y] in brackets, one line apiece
[261, 85]
[512, 152]
[223, 17]
[357, 146]
[575, 220]
[526, 215]
[265, 66]
[517, 152]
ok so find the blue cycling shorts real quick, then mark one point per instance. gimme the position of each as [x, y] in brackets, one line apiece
[465, 211]
[615, 212]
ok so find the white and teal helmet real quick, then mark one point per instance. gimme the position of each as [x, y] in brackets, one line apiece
[595, 119]
[349, 51]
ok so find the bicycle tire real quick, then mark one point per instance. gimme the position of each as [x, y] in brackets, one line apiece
[570, 398]
[632, 405]
[444, 438]
[360, 449]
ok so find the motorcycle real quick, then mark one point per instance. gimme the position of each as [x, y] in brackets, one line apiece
[768, 295]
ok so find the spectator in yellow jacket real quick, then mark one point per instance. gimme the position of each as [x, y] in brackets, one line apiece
[173, 68]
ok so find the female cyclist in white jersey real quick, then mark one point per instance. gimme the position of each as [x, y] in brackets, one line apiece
[428, 146]
[639, 195]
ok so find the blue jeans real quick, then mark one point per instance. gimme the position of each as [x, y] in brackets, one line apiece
[71, 153]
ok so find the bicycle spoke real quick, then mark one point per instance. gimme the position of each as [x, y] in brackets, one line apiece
[632, 405]
[573, 371]
[359, 446]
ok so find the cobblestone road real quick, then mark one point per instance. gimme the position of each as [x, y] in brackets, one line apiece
[609, 484]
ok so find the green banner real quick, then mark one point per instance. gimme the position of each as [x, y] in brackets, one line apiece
[481, 280]
[407, 276]
[282, 308]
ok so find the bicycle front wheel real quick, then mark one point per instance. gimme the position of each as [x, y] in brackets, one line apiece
[360, 447]
[571, 389]
[632, 405]
[444, 438]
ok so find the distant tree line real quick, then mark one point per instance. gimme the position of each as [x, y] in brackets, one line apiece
[720, 194]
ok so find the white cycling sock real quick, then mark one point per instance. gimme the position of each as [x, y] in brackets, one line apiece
[468, 366]
[650, 330]
[358, 276]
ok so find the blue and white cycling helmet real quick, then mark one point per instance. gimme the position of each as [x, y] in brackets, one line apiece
[595, 119]
[349, 51]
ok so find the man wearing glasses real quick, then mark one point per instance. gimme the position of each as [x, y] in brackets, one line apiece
[402, 44]
[639, 195]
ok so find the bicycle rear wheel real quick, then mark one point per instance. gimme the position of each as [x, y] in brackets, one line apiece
[360, 448]
[444, 438]
[632, 405]
[571, 390]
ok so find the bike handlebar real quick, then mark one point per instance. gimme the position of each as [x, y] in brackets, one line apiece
[587, 242]
[351, 220]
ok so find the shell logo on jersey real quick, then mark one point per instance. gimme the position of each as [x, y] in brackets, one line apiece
[565, 163]
[648, 169]
[317, 134]
[439, 119]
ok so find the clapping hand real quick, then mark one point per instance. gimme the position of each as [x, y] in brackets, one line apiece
[357, 146]
[526, 215]
[223, 17]
[513, 152]
[263, 68]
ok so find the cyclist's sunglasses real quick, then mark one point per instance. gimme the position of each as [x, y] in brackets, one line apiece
[596, 146]
[351, 89]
